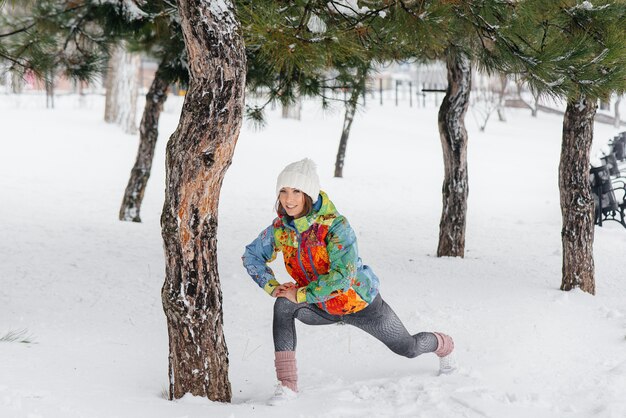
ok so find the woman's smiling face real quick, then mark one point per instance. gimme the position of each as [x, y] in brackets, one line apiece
[292, 200]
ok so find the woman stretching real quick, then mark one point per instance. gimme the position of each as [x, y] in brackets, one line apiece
[331, 284]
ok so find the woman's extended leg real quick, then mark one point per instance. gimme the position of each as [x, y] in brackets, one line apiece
[380, 321]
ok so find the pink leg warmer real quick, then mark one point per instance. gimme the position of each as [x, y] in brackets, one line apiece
[445, 344]
[286, 370]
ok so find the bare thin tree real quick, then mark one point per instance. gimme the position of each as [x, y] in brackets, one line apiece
[351, 105]
[130, 209]
[453, 137]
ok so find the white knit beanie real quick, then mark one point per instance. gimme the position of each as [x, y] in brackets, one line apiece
[301, 175]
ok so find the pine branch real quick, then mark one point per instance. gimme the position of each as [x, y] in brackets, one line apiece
[304, 18]
[14, 61]
[74, 29]
[16, 31]
[408, 10]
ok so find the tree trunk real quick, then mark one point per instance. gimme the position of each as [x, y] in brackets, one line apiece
[148, 135]
[618, 119]
[577, 207]
[351, 105]
[122, 85]
[111, 86]
[127, 118]
[17, 83]
[501, 95]
[535, 107]
[82, 99]
[454, 143]
[49, 83]
[198, 155]
[293, 110]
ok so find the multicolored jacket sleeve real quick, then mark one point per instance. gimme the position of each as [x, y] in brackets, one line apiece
[256, 256]
[343, 257]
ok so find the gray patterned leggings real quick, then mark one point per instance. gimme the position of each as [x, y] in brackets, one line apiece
[377, 319]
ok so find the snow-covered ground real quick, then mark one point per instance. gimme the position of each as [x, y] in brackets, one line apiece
[84, 288]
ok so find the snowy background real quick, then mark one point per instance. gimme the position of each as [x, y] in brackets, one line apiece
[84, 288]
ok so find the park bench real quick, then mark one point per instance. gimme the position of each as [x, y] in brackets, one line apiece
[614, 167]
[608, 195]
[618, 147]
[608, 185]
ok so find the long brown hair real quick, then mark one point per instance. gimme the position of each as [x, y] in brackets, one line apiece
[308, 206]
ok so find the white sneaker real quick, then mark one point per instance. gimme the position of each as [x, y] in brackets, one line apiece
[447, 364]
[282, 395]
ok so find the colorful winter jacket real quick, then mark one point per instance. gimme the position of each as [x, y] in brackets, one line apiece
[320, 253]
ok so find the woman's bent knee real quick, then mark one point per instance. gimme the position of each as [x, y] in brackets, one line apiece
[405, 350]
[410, 353]
[421, 343]
[283, 306]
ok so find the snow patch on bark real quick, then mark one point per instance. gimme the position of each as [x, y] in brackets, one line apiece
[130, 8]
[222, 11]
[130, 214]
[347, 7]
[581, 104]
[316, 25]
[219, 8]
[587, 5]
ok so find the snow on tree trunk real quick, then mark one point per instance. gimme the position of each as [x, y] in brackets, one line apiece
[454, 143]
[617, 122]
[347, 121]
[148, 134]
[577, 206]
[198, 155]
[122, 88]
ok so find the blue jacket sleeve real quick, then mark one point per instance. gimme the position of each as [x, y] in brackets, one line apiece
[256, 256]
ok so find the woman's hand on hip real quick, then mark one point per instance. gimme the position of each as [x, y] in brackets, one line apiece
[281, 288]
[287, 290]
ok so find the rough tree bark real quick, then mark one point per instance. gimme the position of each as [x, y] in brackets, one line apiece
[577, 207]
[454, 143]
[148, 134]
[351, 105]
[198, 155]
